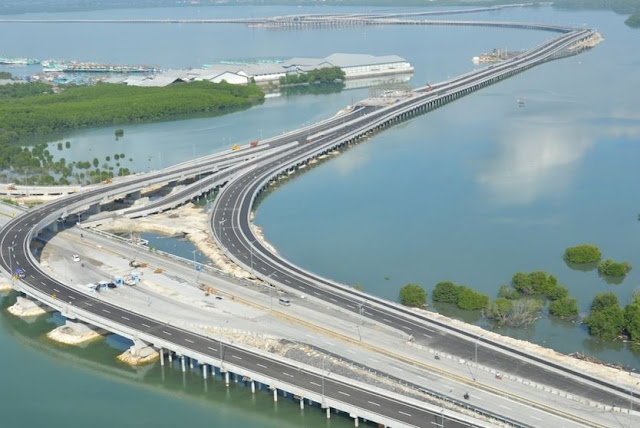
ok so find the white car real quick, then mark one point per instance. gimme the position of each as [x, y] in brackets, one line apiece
[76, 258]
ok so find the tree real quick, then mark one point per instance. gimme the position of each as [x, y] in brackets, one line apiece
[446, 292]
[566, 307]
[632, 320]
[508, 292]
[358, 287]
[607, 324]
[584, 253]
[538, 282]
[499, 310]
[612, 268]
[413, 295]
[557, 292]
[471, 300]
[96, 162]
[604, 300]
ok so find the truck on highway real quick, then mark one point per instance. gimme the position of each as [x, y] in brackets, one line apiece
[254, 143]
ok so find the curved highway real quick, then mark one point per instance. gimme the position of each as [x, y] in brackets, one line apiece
[230, 224]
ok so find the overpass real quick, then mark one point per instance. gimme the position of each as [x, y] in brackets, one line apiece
[244, 185]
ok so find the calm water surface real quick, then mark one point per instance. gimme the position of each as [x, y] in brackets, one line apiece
[473, 192]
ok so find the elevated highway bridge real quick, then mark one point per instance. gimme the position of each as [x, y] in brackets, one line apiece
[230, 225]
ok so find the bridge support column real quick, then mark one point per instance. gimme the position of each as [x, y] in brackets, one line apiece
[226, 378]
[162, 357]
[184, 368]
[191, 363]
[328, 412]
[204, 371]
[275, 395]
[170, 354]
[93, 209]
[253, 387]
[301, 403]
[356, 421]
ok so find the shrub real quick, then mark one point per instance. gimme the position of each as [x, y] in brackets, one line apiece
[413, 295]
[557, 292]
[538, 282]
[607, 323]
[612, 268]
[446, 292]
[632, 319]
[566, 307]
[585, 253]
[470, 300]
[604, 300]
[508, 292]
[499, 310]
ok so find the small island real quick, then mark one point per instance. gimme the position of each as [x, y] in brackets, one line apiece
[633, 21]
[612, 268]
[581, 254]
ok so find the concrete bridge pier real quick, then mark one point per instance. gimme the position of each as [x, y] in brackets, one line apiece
[275, 395]
[301, 403]
[226, 378]
[93, 209]
[253, 387]
[204, 371]
[328, 412]
[356, 420]
[170, 355]
[191, 363]
[182, 363]
[161, 357]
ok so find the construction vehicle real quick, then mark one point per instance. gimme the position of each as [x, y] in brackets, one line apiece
[235, 147]
[254, 143]
[429, 87]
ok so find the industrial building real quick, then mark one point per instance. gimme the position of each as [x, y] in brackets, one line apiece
[355, 66]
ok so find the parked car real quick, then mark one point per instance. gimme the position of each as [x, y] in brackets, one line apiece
[76, 258]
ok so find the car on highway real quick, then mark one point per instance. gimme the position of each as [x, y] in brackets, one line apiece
[76, 258]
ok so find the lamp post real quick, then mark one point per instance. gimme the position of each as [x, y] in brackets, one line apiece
[253, 272]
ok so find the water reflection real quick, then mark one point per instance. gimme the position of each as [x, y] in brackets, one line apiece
[536, 159]
[581, 267]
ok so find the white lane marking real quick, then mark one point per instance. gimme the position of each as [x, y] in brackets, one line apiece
[533, 417]
[236, 357]
[287, 374]
[125, 318]
[287, 281]
[386, 319]
[316, 293]
[504, 407]
[374, 360]
[425, 334]
[352, 351]
[167, 333]
[423, 378]
[88, 304]
[406, 327]
[332, 299]
[375, 404]
[308, 335]
[351, 306]
[104, 310]
[56, 290]
[213, 349]
[403, 413]
[316, 384]
[396, 368]
[344, 393]
[188, 340]
[72, 298]
[261, 365]
[42, 283]
[144, 325]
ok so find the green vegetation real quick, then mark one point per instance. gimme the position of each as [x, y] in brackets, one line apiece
[632, 319]
[508, 292]
[446, 292]
[566, 307]
[538, 283]
[315, 89]
[585, 253]
[606, 319]
[358, 287]
[22, 90]
[633, 21]
[471, 300]
[119, 133]
[514, 313]
[612, 268]
[107, 104]
[413, 295]
[5, 75]
[320, 75]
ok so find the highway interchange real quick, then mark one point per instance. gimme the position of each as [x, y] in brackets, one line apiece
[231, 228]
